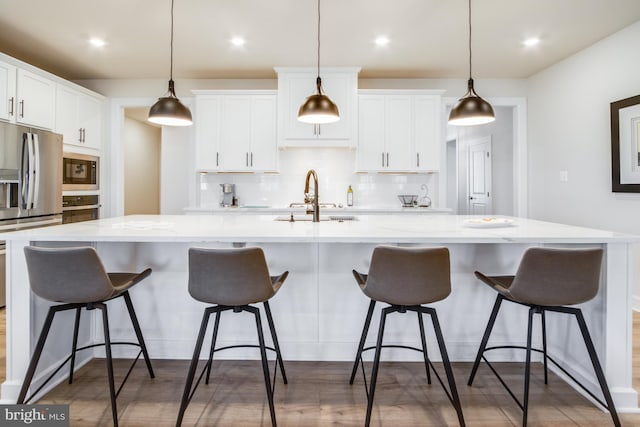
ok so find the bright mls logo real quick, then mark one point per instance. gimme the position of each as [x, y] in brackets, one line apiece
[34, 415]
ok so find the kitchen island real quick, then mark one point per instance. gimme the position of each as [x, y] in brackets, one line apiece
[319, 312]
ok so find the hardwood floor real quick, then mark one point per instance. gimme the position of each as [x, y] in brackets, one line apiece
[318, 394]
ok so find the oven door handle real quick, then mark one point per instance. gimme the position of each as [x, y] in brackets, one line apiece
[79, 208]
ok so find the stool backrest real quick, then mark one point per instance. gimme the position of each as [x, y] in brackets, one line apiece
[231, 277]
[552, 276]
[70, 275]
[408, 276]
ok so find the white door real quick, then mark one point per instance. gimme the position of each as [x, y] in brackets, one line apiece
[235, 142]
[398, 133]
[36, 100]
[264, 143]
[480, 177]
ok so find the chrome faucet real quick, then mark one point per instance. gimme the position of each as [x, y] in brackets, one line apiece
[313, 200]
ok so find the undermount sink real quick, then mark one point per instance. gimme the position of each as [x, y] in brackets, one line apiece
[338, 218]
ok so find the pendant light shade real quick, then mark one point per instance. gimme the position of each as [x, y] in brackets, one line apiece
[471, 109]
[318, 108]
[169, 111]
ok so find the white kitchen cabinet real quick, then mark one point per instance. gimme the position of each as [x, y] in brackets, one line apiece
[398, 131]
[7, 92]
[295, 85]
[385, 140]
[35, 100]
[207, 124]
[236, 131]
[78, 118]
[427, 132]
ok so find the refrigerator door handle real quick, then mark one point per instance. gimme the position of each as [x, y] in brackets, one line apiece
[31, 171]
[24, 171]
[36, 171]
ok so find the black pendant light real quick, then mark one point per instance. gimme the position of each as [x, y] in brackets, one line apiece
[169, 111]
[318, 108]
[471, 109]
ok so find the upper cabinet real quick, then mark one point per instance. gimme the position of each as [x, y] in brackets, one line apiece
[236, 131]
[398, 131]
[35, 100]
[7, 92]
[295, 85]
[78, 118]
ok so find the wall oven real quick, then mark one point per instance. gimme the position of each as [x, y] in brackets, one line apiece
[80, 208]
[80, 172]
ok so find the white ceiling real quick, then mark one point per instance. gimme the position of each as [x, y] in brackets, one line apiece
[428, 37]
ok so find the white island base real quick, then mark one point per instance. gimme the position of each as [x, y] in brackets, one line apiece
[319, 312]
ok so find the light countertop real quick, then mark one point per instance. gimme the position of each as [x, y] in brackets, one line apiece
[357, 210]
[405, 228]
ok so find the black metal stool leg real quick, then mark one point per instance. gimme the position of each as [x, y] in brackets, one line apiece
[265, 363]
[376, 363]
[107, 349]
[274, 338]
[36, 354]
[424, 346]
[596, 367]
[214, 338]
[447, 365]
[485, 338]
[363, 338]
[136, 328]
[74, 344]
[544, 344]
[527, 369]
[186, 395]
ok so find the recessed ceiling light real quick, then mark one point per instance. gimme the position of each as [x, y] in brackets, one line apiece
[96, 42]
[532, 41]
[238, 41]
[382, 41]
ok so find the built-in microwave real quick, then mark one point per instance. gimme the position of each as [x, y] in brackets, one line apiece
[80, 172]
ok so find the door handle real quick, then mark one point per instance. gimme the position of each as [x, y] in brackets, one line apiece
[246, 159]
[11, 106]
[80, 135]
[252, 159]
[22, 108]
[418, 160]
[217, 158]
[471, 198]
[383, 159]
[387, 159]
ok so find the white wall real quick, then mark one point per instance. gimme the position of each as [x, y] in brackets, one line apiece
[569, 130]
[141, 168]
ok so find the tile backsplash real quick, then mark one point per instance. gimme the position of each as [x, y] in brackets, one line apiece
[335, 169]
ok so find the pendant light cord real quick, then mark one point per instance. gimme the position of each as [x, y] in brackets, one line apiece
[171, 66]
[470, 74]
[318, 38]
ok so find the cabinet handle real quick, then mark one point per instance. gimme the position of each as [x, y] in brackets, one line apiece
[22, 109]
[315, 129]
[217, 158]
[387, 159]
[417, 159]
[319, 128]
[84, 135]
[246, 159]
[382, 159]
[11, 106]
[80, 135]
[252, 159]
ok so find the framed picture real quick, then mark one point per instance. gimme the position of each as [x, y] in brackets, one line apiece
[625, 145]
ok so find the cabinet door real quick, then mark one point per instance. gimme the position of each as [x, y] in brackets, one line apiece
[398, 133]
[264, 142]
[371, 133]
[36, 100]
[207, 133]
[293, 90]
[235, 141]
[7, 92]
[90, 121]
[67, 115]
[427, 133]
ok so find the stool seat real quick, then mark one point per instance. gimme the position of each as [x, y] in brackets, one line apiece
[406, 278]
[548, 279]
[232, 280]
[76, 278]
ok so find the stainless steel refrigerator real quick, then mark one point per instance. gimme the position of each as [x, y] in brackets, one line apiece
[30, 182]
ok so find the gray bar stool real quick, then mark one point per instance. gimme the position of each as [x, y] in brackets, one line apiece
[548, 279]
[232, 279]
[406, 278]
[77, 278]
